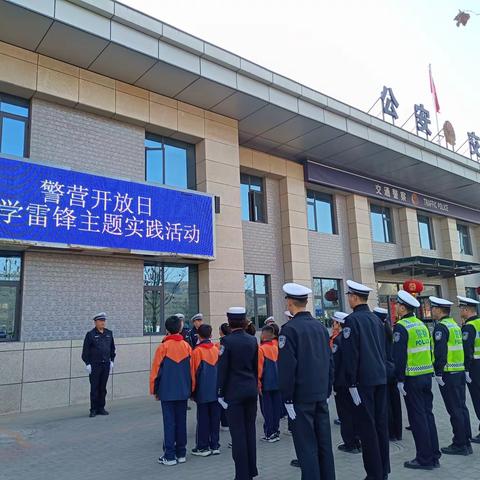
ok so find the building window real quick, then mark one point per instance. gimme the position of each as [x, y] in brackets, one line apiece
[14, 123]
[169, 162]
[382, 228]
[464, 239]
[471, 292]
[253, 198]
[257, 298]
[10, 281]
[320, 212]
[326, 297]
[425, 231]
[168, 289]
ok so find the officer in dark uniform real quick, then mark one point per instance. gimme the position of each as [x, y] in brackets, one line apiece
[412, 354]
[393, 396]
[98, 354]
[471, 349]
[238, 391]
[192, 336]
[363, 348]
[343, 400]
[305, 369]
[450, 375]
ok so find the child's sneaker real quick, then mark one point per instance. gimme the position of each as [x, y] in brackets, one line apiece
[181, 459]
[164, 461]
[204, 452]
[215, 451]
[273, 438]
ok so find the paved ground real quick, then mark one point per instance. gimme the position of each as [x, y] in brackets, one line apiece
[65, 444]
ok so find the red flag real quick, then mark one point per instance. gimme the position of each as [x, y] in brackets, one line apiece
[433, 90]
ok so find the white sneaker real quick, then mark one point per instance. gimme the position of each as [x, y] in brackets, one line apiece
[201, 453]
[181, 459]
[164, 461]
[273, 438]
[216, 451]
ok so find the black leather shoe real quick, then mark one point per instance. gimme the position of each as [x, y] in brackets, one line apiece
[337, 421]
[454, 450]
[93, 413]
[103, 412]
[413, 464]
[295, 463]
[476, 439]
[409, 428]
[344, 448]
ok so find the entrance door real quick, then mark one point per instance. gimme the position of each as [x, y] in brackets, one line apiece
[8, 311]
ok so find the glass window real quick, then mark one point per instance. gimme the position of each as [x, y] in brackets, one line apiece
[425, 232]
[382, 228]
[326, 298]
[168, 289]
[464, 239]
[257, 298]
[10, 274]
[320, 212]
[14, 118]
[253, 198]
[169, 162]
[471, 292]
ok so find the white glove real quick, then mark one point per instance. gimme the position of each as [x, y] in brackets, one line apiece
[88, 368]
[401, 388]
[355, 396]
[291, 411]
[439, 380]
[468, 377]
[223, 403]
[111, 367]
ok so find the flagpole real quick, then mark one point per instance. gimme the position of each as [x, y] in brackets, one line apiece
[433, 91]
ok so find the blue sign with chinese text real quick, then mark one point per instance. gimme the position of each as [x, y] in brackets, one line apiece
[45, 204]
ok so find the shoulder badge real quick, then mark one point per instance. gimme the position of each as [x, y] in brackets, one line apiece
[396, 337]
[438, 335]
[346, 332]
[222, 349]
[465, 336]
[334, 348]
[282, 340]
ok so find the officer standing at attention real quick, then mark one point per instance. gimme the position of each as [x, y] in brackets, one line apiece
[192, 336]
[393, 396]
[450, 375]
[471, 349]
[363, 349]
[98, 354]
[412, 354]
[305, 369]
[238, 391]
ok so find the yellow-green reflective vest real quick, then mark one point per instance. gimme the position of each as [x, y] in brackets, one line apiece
[455, 355]
[476, 325]
[419, 355]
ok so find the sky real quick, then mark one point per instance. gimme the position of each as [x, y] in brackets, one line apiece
[350, 49]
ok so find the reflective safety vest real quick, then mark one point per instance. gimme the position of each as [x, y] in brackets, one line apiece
[455, 355]
[476, 325]
[419, 354]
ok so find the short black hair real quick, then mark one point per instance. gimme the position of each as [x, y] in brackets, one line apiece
[445, 310]
[237, 322]
[225, 329]
[276, 329]
[299, 303]
[173, 324]
[269, 329]
[205, 331]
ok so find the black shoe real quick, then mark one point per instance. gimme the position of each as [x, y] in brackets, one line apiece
[417, 466]
[476, 439]
[344, 448]
[102, 412]
[395, 439]
[409, 428]
[337, 421]
[295, 463]
[454, 450]
[469, 449]
[436, 464]
[93, 413]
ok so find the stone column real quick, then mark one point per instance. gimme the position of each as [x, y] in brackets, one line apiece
[221, 282]
[409, 237]
[358, 214]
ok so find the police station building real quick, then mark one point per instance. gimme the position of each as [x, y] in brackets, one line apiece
[145, 172]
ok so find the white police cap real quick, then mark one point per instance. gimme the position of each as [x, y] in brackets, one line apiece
[288, 314]
[467, 302]
[357, 288]
[198, 316]
[380, 310]
[339, 317]
[181, 316]
[269, 320]
[296, 291]
[440, 302]
[100, 316]
[237, 313]
[407, 299]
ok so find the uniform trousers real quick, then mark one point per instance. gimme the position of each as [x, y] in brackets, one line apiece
[98, 386]
[344, 404]
[474, 387]
[174, 428]
[271, 407]
[394, 412]
[208, 425]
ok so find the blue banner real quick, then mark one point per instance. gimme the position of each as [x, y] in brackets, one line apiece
[45, 204]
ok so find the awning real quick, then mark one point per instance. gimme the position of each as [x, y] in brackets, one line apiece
[427, 266]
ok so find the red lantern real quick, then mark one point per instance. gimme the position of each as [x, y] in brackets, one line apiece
[414, 287]
[331, 295]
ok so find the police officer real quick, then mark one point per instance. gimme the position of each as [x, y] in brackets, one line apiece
[238, 391]
[450, 375]
[343, 400]
[413, 371]
[98, 354]
[471, 349]
[305, 369]
[393, 395]
[192, 336]
[363, 349]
